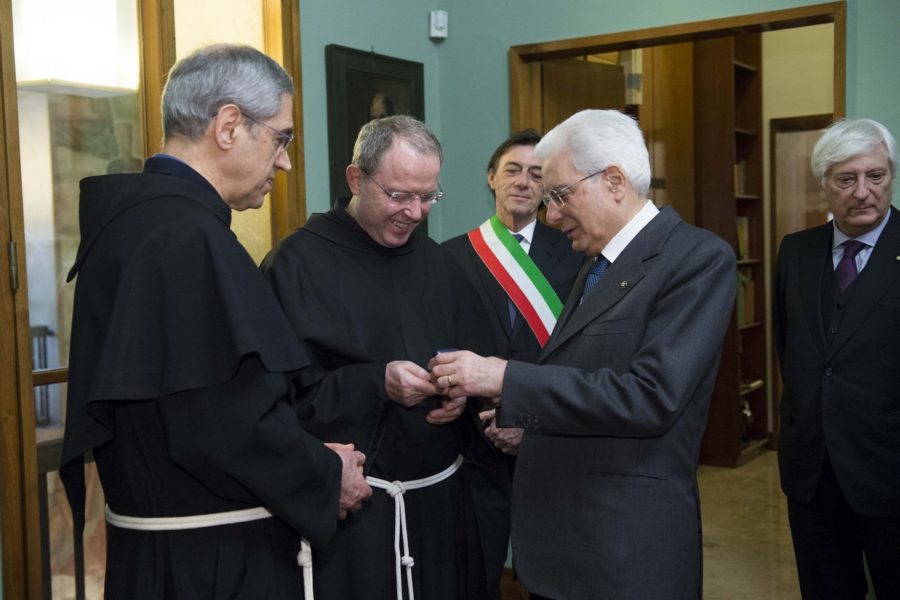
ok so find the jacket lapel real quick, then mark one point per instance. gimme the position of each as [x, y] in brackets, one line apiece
[812, 268]
[880, 273]
[617, 282]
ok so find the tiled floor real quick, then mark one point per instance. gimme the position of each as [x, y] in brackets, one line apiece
[747, 551]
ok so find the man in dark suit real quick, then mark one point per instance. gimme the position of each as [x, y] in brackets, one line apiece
[514, 177]
[605, 501]
[837, 329]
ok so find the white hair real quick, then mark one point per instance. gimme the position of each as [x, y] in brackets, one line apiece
[847, 138]
[596, 139]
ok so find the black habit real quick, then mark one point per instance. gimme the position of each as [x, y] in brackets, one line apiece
[177, 384]
[357, 305]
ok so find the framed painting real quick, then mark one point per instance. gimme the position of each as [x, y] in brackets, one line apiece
[362, 86]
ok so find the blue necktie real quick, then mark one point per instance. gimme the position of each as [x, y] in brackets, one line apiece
[512, 307]
[594, 275]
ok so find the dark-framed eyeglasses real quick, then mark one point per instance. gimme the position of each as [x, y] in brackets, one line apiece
[558, 195]
[284, 138]
[406, 198]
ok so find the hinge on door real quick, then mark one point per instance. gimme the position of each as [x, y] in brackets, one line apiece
[13, 267]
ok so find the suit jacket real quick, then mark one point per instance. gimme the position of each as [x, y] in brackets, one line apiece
[552, 252]
[842, 398]
[605, 501]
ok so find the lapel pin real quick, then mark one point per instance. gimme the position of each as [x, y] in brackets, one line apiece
[624, 284]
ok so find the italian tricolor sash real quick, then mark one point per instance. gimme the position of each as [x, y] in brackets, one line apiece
[519, 277]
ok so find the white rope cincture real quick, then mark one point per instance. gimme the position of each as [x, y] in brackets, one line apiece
[396, 490]
[304, 557]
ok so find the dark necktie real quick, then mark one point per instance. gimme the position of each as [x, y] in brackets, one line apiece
[846, 269]
[595, 274]
[512, 307]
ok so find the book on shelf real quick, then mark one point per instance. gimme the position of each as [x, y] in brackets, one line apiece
[743, 237]
[740, 177]
[745, 300]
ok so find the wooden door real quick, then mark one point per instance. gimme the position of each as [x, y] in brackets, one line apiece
[54, 131]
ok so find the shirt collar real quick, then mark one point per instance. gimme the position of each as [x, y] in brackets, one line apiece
[526, 232]
[620, 241]
[868, 238]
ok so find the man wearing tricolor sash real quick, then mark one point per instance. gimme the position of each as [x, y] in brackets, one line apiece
[523, 271]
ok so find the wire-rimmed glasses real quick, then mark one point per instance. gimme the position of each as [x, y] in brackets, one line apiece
[284, 138]
[558, 195]
[405, 198]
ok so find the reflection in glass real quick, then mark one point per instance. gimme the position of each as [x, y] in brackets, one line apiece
[56, 520]
[64, 138]
[72, 125]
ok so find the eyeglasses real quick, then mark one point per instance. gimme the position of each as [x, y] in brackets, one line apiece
[406, 198]
[558, 196]
[284, 138]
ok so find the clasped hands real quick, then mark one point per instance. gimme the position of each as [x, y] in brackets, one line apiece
[354, 487]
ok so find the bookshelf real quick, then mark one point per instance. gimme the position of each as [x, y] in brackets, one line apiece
[729, 187]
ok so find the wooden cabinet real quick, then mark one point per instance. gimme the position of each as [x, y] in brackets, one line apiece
[729, 201]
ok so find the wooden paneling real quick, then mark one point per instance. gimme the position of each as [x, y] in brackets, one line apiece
[19, 482]
[568, 86]
[524, 93]
[157, 31]
[19, 515]
[289, 195]
[728, 176]
[667, 119]
[815, 14]
[524, 79]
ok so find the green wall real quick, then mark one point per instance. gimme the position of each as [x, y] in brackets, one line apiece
[466, 75]
[397, 28]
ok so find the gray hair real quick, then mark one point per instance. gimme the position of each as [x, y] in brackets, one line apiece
[596, 139]
[376, 137]
[847, 138]
[211, 77]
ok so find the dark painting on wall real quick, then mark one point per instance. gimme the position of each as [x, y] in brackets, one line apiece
[362, 86]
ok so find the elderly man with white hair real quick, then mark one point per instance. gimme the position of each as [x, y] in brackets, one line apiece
[605, 501]
[837, 320]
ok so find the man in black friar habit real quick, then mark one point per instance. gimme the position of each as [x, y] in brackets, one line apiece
[179, 355]
[372, 300]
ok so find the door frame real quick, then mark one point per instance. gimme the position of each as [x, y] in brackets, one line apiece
[525, 59]
[776, 126]
[19, 495]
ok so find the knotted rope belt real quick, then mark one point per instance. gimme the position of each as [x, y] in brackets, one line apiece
[395, 489]
[304, 557]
